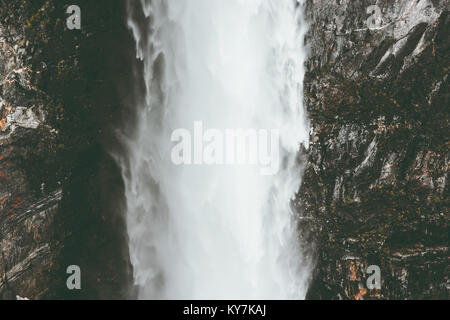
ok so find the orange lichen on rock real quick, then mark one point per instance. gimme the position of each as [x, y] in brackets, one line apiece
[3, 200]
[2, 124]
[17, 202]
[353, 270]
[361, 293]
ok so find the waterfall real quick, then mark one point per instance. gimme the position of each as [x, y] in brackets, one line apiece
[216, 231]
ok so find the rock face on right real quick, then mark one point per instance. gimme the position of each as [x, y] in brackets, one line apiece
[375, 189]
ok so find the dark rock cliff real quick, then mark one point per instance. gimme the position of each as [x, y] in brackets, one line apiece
[376, 184]
[60, 189]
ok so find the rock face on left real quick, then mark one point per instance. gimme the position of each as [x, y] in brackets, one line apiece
[59, 188]
[26, 215]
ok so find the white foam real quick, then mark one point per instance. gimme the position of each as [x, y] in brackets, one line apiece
[202, 232]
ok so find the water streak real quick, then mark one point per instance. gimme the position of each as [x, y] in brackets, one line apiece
[215, 232]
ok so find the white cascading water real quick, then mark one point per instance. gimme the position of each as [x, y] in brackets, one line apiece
[216, 231]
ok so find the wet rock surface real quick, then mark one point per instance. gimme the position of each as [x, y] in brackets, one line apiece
[60, 190]
[375, 190]
[27, 246]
